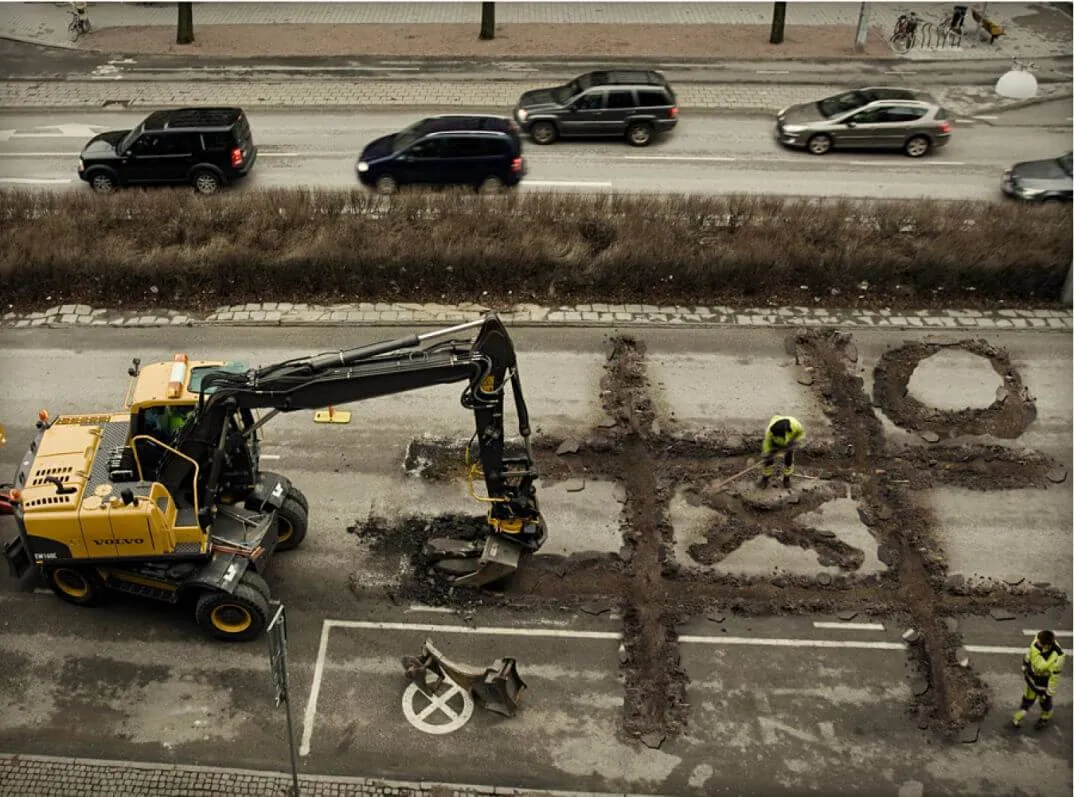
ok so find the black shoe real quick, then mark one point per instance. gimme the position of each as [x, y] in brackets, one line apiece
[787, 482]
[1041, 723]
[763, 482]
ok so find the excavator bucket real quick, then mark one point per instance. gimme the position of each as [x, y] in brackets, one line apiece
[469, 565]
[498, 688]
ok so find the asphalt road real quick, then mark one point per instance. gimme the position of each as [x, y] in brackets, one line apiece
[706, 154]
[819, 709]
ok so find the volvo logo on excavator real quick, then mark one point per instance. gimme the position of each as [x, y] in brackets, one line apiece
[122, 541]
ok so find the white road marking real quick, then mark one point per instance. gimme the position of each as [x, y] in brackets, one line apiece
[678, 158]
[270, 456]
[791, 643]
[38, 154]
[1031, 632]
[981, 116]
[34, 180]
[575, 184]
[773, 71]
[897, 71]
[964, 121]
[315, 690]
[438, 703]
[993, 649]
[906, 163]
[435, 609]
[852, 626]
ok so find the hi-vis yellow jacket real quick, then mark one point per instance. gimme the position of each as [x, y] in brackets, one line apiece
[1042, 670]
[771, 442]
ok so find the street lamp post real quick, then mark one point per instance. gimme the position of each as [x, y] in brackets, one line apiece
[863, 28]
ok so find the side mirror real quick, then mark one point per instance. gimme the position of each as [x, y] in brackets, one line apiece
[851, 123]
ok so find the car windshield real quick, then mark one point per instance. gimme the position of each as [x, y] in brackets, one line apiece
[841, 103]
[1065, 163]
[407, 137]
[130, 138]
[564, 93]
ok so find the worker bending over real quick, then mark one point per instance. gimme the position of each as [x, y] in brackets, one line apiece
[1041, 667]
[783, 435]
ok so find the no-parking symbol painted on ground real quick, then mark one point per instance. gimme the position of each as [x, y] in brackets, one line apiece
[426, 713]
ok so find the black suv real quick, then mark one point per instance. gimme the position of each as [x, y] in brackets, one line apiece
[451, 150]
[632, 103]
[203, 147]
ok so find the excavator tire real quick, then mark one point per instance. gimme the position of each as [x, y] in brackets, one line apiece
[258, 583]
[239, 617]
[81, 586]
[293, 523]
[299, 496]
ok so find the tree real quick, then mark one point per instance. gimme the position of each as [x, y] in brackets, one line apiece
[184, 34]
[779, 16]
[488, 21]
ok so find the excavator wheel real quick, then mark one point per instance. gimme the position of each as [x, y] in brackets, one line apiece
[299, 496]
[258, 583]
[239, 617]
[79, 585]
[293, 522]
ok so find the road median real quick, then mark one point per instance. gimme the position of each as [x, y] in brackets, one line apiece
[173, 249]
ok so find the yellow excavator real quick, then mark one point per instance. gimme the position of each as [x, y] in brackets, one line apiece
[167, 499]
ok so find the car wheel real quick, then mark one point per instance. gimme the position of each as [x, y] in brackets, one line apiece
[102, 183]
[917, 146]
[640, 134]
[206, 183]
[544, 133]
[819, 144]
[491, 185]
[1052, 200]
[386, 185]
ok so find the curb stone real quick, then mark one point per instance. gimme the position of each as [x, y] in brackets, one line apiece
[47, 776]
[589, 315]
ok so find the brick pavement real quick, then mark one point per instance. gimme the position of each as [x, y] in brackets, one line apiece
[322, 93]
[1033, 30]
[596, 314]
[47, 776]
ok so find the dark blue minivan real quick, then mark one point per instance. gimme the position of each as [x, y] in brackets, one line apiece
[484, 152]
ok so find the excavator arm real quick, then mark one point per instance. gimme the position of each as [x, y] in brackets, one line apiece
[484, 360]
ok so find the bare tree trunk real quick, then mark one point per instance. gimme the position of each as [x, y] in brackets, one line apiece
[184, 34]
[779, 17]
[488, 21]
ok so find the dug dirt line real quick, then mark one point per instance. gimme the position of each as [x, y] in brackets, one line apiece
[955, 695]
[655, 692]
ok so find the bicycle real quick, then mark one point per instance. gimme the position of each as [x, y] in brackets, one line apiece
[902, 39]
[80, 24]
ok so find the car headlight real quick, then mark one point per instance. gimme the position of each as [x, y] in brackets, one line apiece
[363, 166]
[782, 112]
[1029, 193]
[793, 129]
[522, 114]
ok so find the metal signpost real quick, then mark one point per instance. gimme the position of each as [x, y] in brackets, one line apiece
[277, 642]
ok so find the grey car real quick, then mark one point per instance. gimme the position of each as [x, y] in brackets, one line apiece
[635, 104]
[1047, 180]
[871, 118]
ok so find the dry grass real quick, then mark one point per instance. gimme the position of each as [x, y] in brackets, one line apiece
[175, 249]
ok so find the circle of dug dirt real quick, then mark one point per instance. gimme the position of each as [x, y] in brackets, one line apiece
[1007, 417]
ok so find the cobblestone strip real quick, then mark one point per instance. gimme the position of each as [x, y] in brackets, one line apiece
[345, 93]
[388, 314]
[47, 776]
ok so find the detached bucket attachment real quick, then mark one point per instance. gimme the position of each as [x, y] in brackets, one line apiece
[498, 688]
[474, 565]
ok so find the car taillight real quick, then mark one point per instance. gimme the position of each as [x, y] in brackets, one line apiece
[945, 127]
[236, 157]
[516, 165]
[674, 112]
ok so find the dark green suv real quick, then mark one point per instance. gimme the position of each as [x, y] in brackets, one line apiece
[634, 104]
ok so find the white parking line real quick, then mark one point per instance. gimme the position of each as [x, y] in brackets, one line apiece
[851, 626]
[906, 163]
[678, 158]
[38, 154]
[270, 456]
[1031, 632]
[982, 116]
[328, 625]
[34, 180]
[572, 183]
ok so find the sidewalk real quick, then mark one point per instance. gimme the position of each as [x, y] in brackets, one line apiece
[387, 314]
[650, 30]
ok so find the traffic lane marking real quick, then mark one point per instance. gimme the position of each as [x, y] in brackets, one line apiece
[35, 180]
[562, 633]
